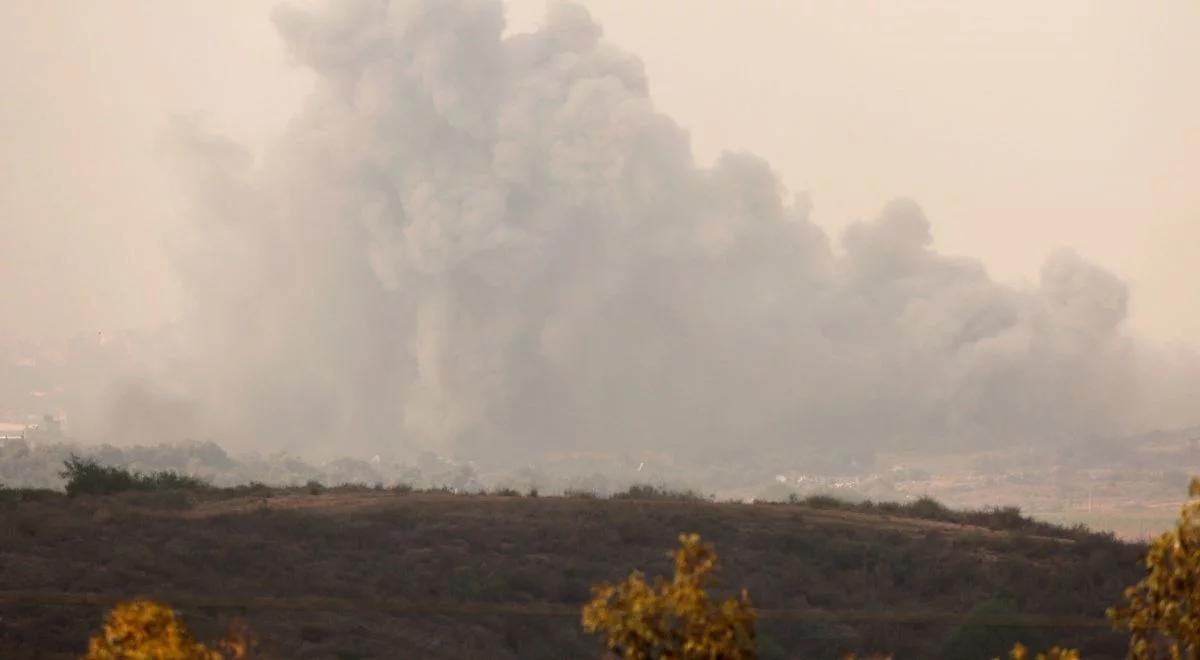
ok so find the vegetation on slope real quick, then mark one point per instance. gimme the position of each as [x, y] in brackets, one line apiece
[373, 553]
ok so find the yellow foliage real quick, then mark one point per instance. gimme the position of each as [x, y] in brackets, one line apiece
[1163, 612]
[1019, 652]
[146, 630]
[673, 620]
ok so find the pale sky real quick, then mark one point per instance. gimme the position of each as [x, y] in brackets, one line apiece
[1019, 127]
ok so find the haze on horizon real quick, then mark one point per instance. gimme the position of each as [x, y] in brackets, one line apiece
[479, 226]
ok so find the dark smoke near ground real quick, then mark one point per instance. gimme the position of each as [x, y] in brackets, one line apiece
[495, 248]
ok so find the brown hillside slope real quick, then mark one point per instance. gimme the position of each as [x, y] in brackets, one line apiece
[358, 574]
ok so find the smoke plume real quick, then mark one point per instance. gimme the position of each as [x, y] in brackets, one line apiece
[494, 246]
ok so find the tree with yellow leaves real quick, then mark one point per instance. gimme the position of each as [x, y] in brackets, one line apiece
[1163, 612]
[673, 620]
[146, 630]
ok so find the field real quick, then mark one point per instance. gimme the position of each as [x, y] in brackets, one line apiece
[359, 572]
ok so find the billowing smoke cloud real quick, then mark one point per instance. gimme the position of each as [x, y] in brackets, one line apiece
[495, 246]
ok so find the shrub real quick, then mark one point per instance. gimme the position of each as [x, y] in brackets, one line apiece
[580, 493]
[253, 488]
[1006, 518]
[1163, 609]
[147, 629]
[170, 480]
[314, 487]
[648, 492]
[18, 495]
[1009, 517]
[506, 492]
[824, 502]
[929, 509]
[86, 475]
[673, 619]
[988, 631]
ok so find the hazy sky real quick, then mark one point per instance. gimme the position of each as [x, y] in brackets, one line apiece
[1019, 127]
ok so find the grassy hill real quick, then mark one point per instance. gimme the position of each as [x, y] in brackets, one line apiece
[358, 572]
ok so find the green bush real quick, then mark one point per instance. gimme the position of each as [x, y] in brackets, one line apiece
[989, 630]
[257, 488]
[170, 480]
[1004, 518]
[825, 502]
[8, 494]
[648, 492]
[928, 509]
[18, 495]
[87, 476]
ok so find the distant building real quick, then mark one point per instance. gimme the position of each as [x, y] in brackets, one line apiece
[12, 431]
[48, 430]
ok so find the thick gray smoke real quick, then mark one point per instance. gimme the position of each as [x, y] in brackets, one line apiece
[495, 247]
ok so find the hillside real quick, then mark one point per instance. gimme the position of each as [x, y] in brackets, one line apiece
[355, 573]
